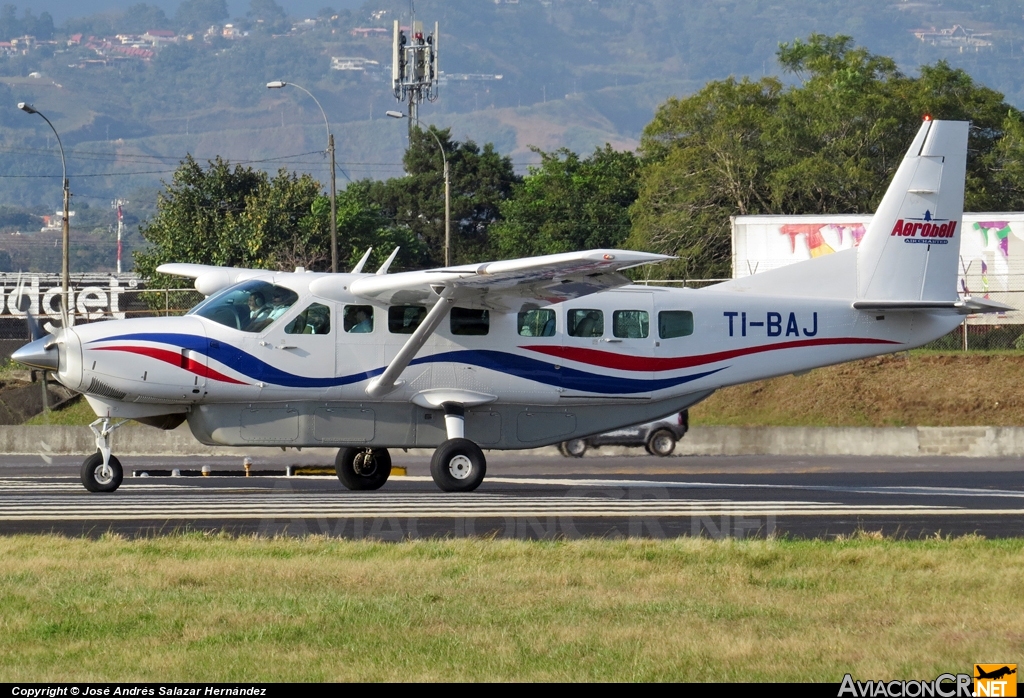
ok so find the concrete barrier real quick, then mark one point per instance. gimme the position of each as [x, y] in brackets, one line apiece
[981, 442]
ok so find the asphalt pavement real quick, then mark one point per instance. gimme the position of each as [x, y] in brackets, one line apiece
[528, 496]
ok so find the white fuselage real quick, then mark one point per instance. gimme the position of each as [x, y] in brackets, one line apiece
[275, 388]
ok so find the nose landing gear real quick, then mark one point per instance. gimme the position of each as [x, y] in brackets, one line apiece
[102, 472]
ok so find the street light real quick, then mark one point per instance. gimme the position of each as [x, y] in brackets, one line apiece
[66, 227]
[278, 84]
[447, 190]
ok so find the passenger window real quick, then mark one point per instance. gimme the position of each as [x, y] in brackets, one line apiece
[404, 319]
[675, 323]
[586, 323]
[631, 324]
[536, 323]
[316, 319]
[358, 319]
[466, 321]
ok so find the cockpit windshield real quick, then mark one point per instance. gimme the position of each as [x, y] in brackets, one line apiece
[250, 306]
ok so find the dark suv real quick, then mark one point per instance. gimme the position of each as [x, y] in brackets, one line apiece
[658, 437]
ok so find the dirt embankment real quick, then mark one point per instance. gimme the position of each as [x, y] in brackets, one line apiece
[898, 390]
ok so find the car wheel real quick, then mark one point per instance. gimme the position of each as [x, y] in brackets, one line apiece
[661, 443]
[98, 478]
[575, 447]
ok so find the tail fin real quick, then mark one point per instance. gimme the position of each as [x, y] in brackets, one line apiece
[911, 249]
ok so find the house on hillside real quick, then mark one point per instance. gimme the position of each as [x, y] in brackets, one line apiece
[156, 37]
[365, 32]
[957, 36]
[352, 63]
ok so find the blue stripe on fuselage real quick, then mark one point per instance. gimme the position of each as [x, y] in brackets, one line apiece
[503, 362]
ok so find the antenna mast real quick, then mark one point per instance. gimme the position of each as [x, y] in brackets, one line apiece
[414, 72]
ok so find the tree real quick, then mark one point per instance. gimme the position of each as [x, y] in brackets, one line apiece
[480, 180]
[195, 15]
[829, 144]
[242, 217]
[569, 204]
[230, 217]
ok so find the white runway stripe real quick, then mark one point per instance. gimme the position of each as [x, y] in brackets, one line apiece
[36, 500]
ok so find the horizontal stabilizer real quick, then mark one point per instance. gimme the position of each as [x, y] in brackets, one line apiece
[967, 306]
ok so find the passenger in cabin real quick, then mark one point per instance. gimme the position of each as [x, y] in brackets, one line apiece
[590, 326]
[364, 323]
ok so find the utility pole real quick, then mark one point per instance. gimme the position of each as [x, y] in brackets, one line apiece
[118, 205]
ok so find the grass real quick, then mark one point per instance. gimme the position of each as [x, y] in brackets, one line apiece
[206, 608]
[78, 413]
[921, 388]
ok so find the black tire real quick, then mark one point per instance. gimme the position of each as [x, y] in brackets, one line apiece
[575, 448]
[458, 465]
[661, 443]
[95, 480]
[363, 468]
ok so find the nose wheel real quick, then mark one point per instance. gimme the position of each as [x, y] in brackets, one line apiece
[101, 472]
[98, 476]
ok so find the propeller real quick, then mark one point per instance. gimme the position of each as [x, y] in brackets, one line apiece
[42, 351]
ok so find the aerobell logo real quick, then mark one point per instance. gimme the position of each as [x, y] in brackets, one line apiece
[924, 231]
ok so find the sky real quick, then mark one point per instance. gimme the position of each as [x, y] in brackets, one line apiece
[61, 10]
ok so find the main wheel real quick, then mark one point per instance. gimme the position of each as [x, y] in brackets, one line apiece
[99, 478]
[363, 468]
[458, 465]
[661, 443]
[575, 447]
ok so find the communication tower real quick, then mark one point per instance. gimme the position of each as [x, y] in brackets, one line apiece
[414, 67]
[118, 205]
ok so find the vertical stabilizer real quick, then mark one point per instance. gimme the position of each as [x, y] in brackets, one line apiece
[912, 246]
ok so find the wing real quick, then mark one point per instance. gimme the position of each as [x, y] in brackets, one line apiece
[210, 279]
[497, 285]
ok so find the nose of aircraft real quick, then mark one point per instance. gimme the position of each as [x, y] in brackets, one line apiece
[42, 353]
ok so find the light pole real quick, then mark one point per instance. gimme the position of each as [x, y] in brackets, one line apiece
[447, 191]
[66, 227]
[278, 84]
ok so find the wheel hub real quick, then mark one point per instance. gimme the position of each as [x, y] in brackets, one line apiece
[460, 467]
[364, 464]
[104, 474]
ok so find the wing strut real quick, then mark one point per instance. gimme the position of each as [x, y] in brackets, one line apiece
[387, 381]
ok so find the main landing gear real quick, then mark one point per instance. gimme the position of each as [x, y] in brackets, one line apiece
[458, 464]
[102, 472]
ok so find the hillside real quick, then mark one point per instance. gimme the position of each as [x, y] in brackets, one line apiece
[573, 73]
[909, 389]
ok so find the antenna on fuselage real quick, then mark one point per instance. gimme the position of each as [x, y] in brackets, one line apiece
[358, 269]
[387, 264]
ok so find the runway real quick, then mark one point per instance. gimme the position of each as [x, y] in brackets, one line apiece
[908, 500]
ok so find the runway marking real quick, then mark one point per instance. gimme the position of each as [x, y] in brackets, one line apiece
[28, 499]
[124, 507]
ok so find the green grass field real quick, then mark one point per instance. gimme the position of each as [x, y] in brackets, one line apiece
[208, 608]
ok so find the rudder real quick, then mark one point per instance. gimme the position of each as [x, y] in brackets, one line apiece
[912, 246]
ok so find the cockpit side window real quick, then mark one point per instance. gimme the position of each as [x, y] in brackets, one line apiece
[250, 306]
[316, 319]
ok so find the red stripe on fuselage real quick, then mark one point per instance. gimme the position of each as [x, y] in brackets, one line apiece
[626, 362]
[175, 359]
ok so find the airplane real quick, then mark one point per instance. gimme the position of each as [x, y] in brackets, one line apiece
[508, 354]
[995, 674]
